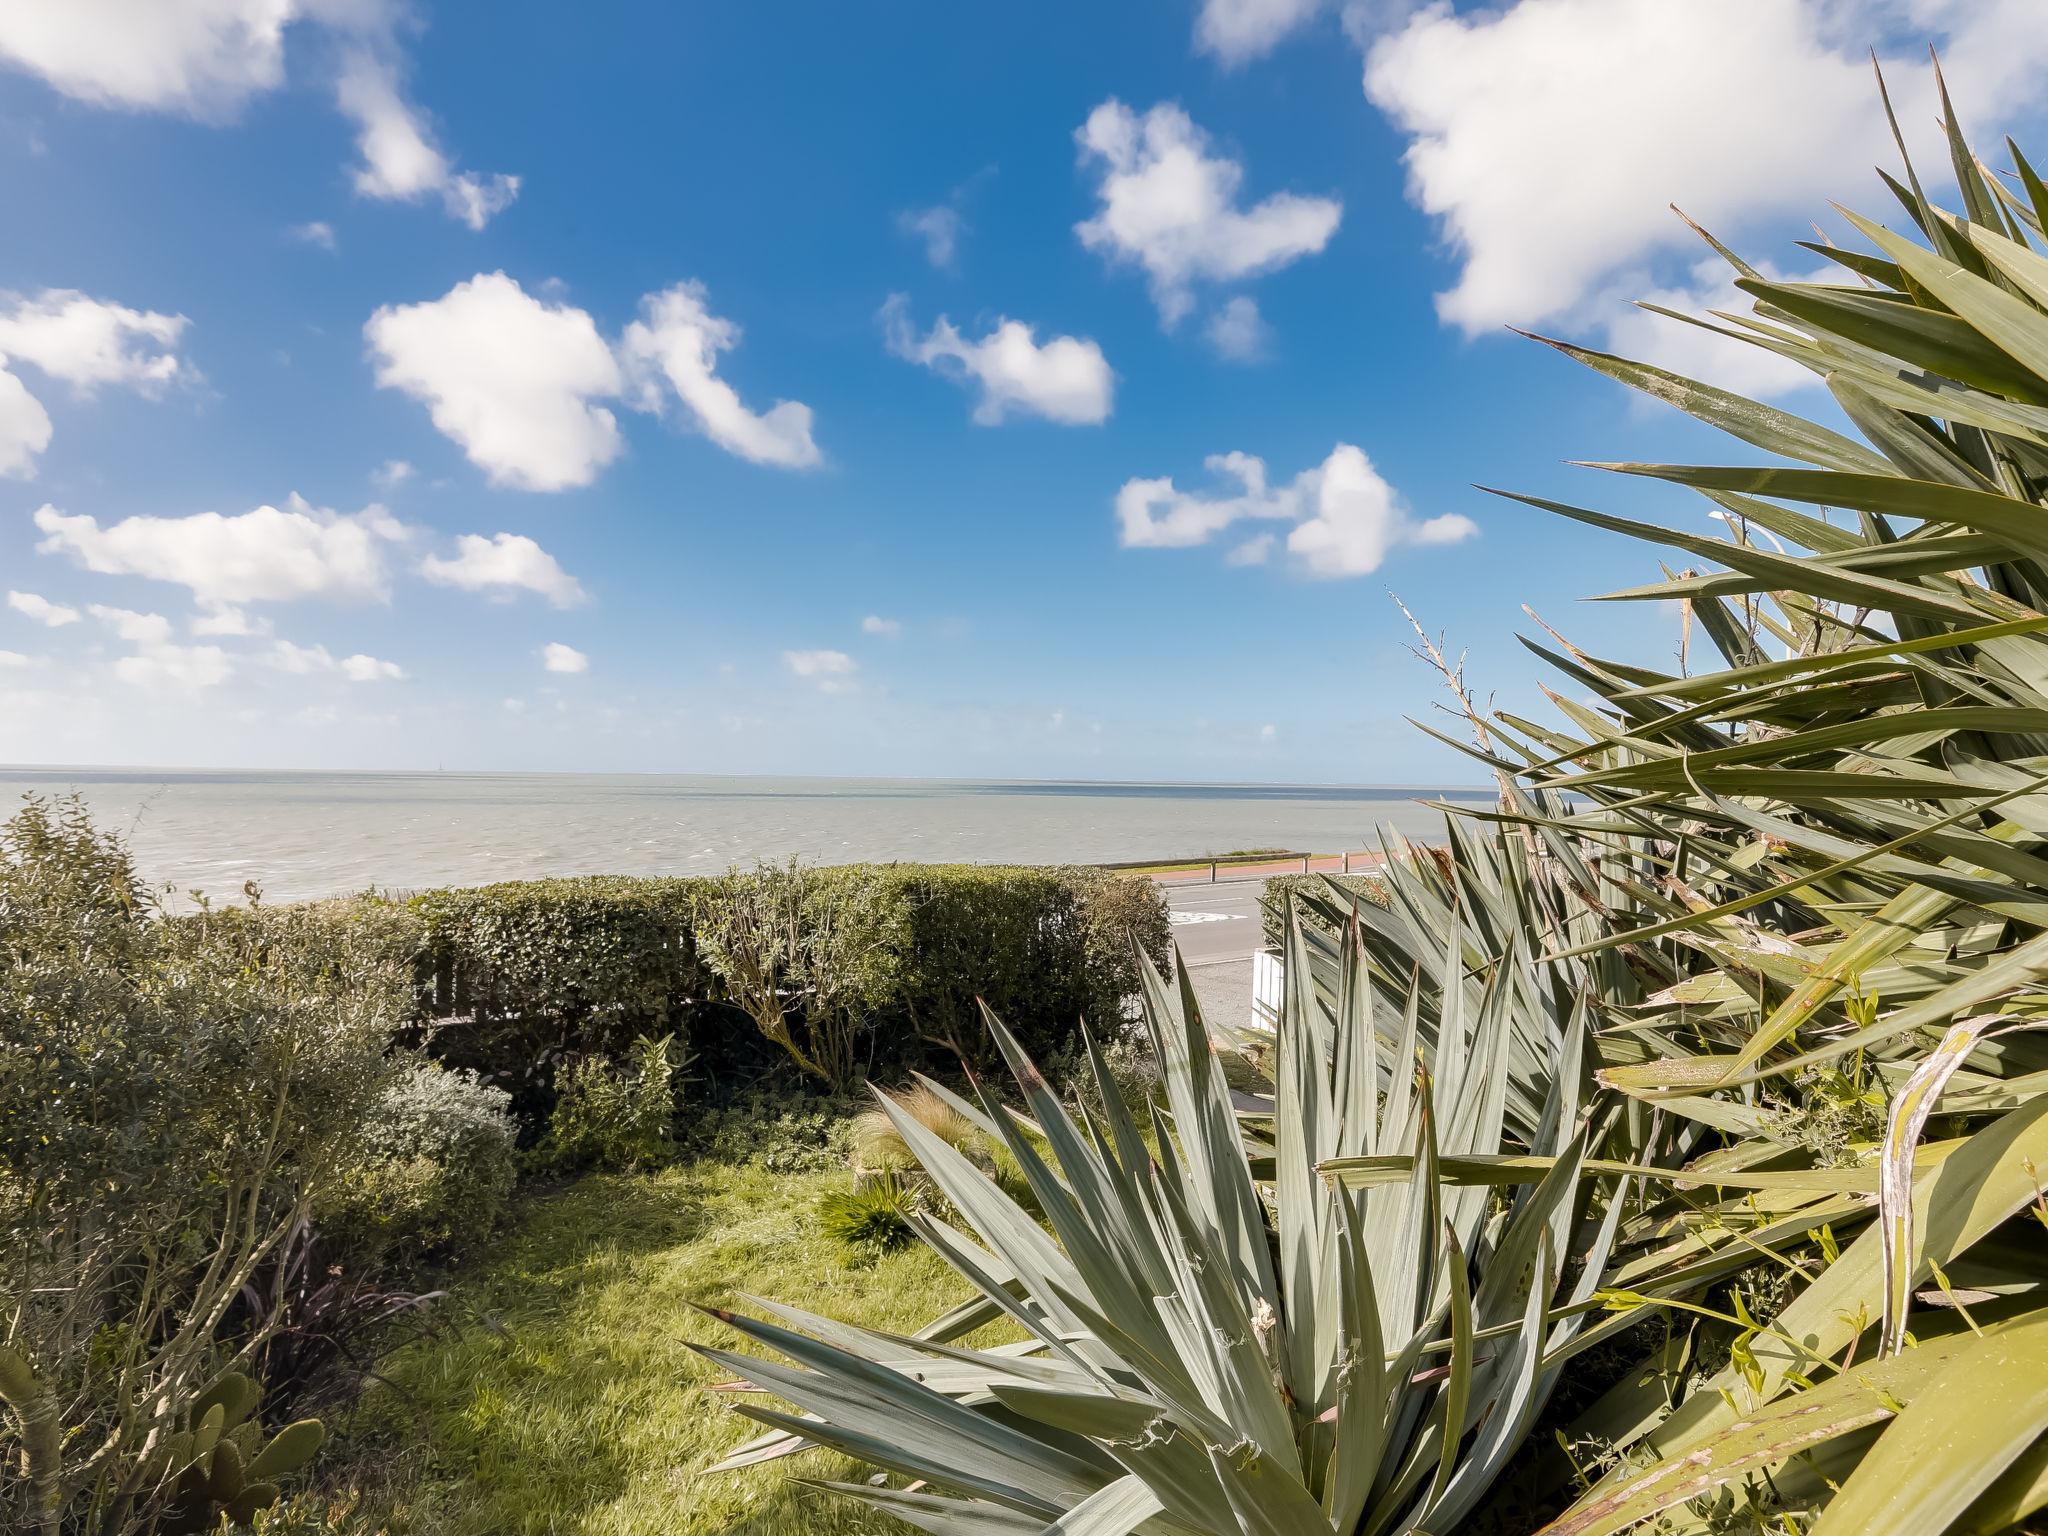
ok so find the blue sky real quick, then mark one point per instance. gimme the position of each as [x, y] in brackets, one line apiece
[797, 388]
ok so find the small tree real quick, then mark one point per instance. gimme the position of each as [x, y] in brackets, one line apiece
[810, 955]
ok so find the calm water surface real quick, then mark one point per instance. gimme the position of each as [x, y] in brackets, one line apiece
[312, 834]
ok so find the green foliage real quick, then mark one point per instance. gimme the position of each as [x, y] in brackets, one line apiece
[772, 1129]
[1832, 845]
[173, 1096]
[871, 1218]
[524, 974]
[849, 971]
[430, 1172]
[614, 1116]
[1273, 900]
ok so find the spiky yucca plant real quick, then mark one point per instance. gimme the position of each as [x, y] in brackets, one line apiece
[1839, 839]
[1200, 1356]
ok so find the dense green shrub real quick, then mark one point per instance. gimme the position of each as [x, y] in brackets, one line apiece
[612, 1115]
[850, 971]
[434, 1166]
[522, 974]
[173, 1096]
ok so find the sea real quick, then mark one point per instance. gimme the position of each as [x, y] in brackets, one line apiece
[301, 835]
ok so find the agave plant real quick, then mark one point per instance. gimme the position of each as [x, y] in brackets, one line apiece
[1341, 1354]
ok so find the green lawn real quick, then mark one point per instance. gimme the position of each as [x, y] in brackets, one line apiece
[562, 1397]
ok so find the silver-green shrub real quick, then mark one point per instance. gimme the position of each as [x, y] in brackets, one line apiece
[436, 1161]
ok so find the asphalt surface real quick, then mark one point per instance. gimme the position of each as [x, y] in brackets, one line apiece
[1215, 923]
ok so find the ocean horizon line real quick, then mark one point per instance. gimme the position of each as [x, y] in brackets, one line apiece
[130, 770]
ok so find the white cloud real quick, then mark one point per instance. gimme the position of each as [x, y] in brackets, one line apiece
[1171, 207]
[308, 660]
[208, 58]
[1238, 31]
[401, 162]
[831, 671]
[1359, 517]
[35, 606]
[204, 58]
[183, 667]
[503, 564]
[1066, 380]
[677, 338]
[88, 342]
[938, 228]
[509, 378]
[24, 427]
[270, 554]
[15, 660]
[318, 232]
[1268, 732]
[1548, 136]
[875, 624]
[368, 669]
[135, 628]
[1156, 514]
[1238, 331]
[557, 657]
[1346, 517]
[391, 474]
[230, 622]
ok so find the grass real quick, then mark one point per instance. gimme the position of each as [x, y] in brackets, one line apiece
[561, 1397]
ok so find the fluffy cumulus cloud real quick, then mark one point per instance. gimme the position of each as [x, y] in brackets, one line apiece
[511, 379]
[503, 565]
[204, 58]
[33, 605]
[557, 657]
[80, 341]
[208, 58]
[677, 340]
[1066, 379]
[1344, 516]
[1238, 31]
[1170, 205]
[1548, 136]
[400, 160]
[270, 554]
[875, 624]
[88, 342]
[518, 382]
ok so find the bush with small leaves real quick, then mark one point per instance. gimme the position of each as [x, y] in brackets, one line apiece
[612, 1116]
[435, 1164]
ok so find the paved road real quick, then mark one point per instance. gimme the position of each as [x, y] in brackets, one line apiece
[1213, 923]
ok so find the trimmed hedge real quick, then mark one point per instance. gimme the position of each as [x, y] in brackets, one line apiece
[522, 976]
